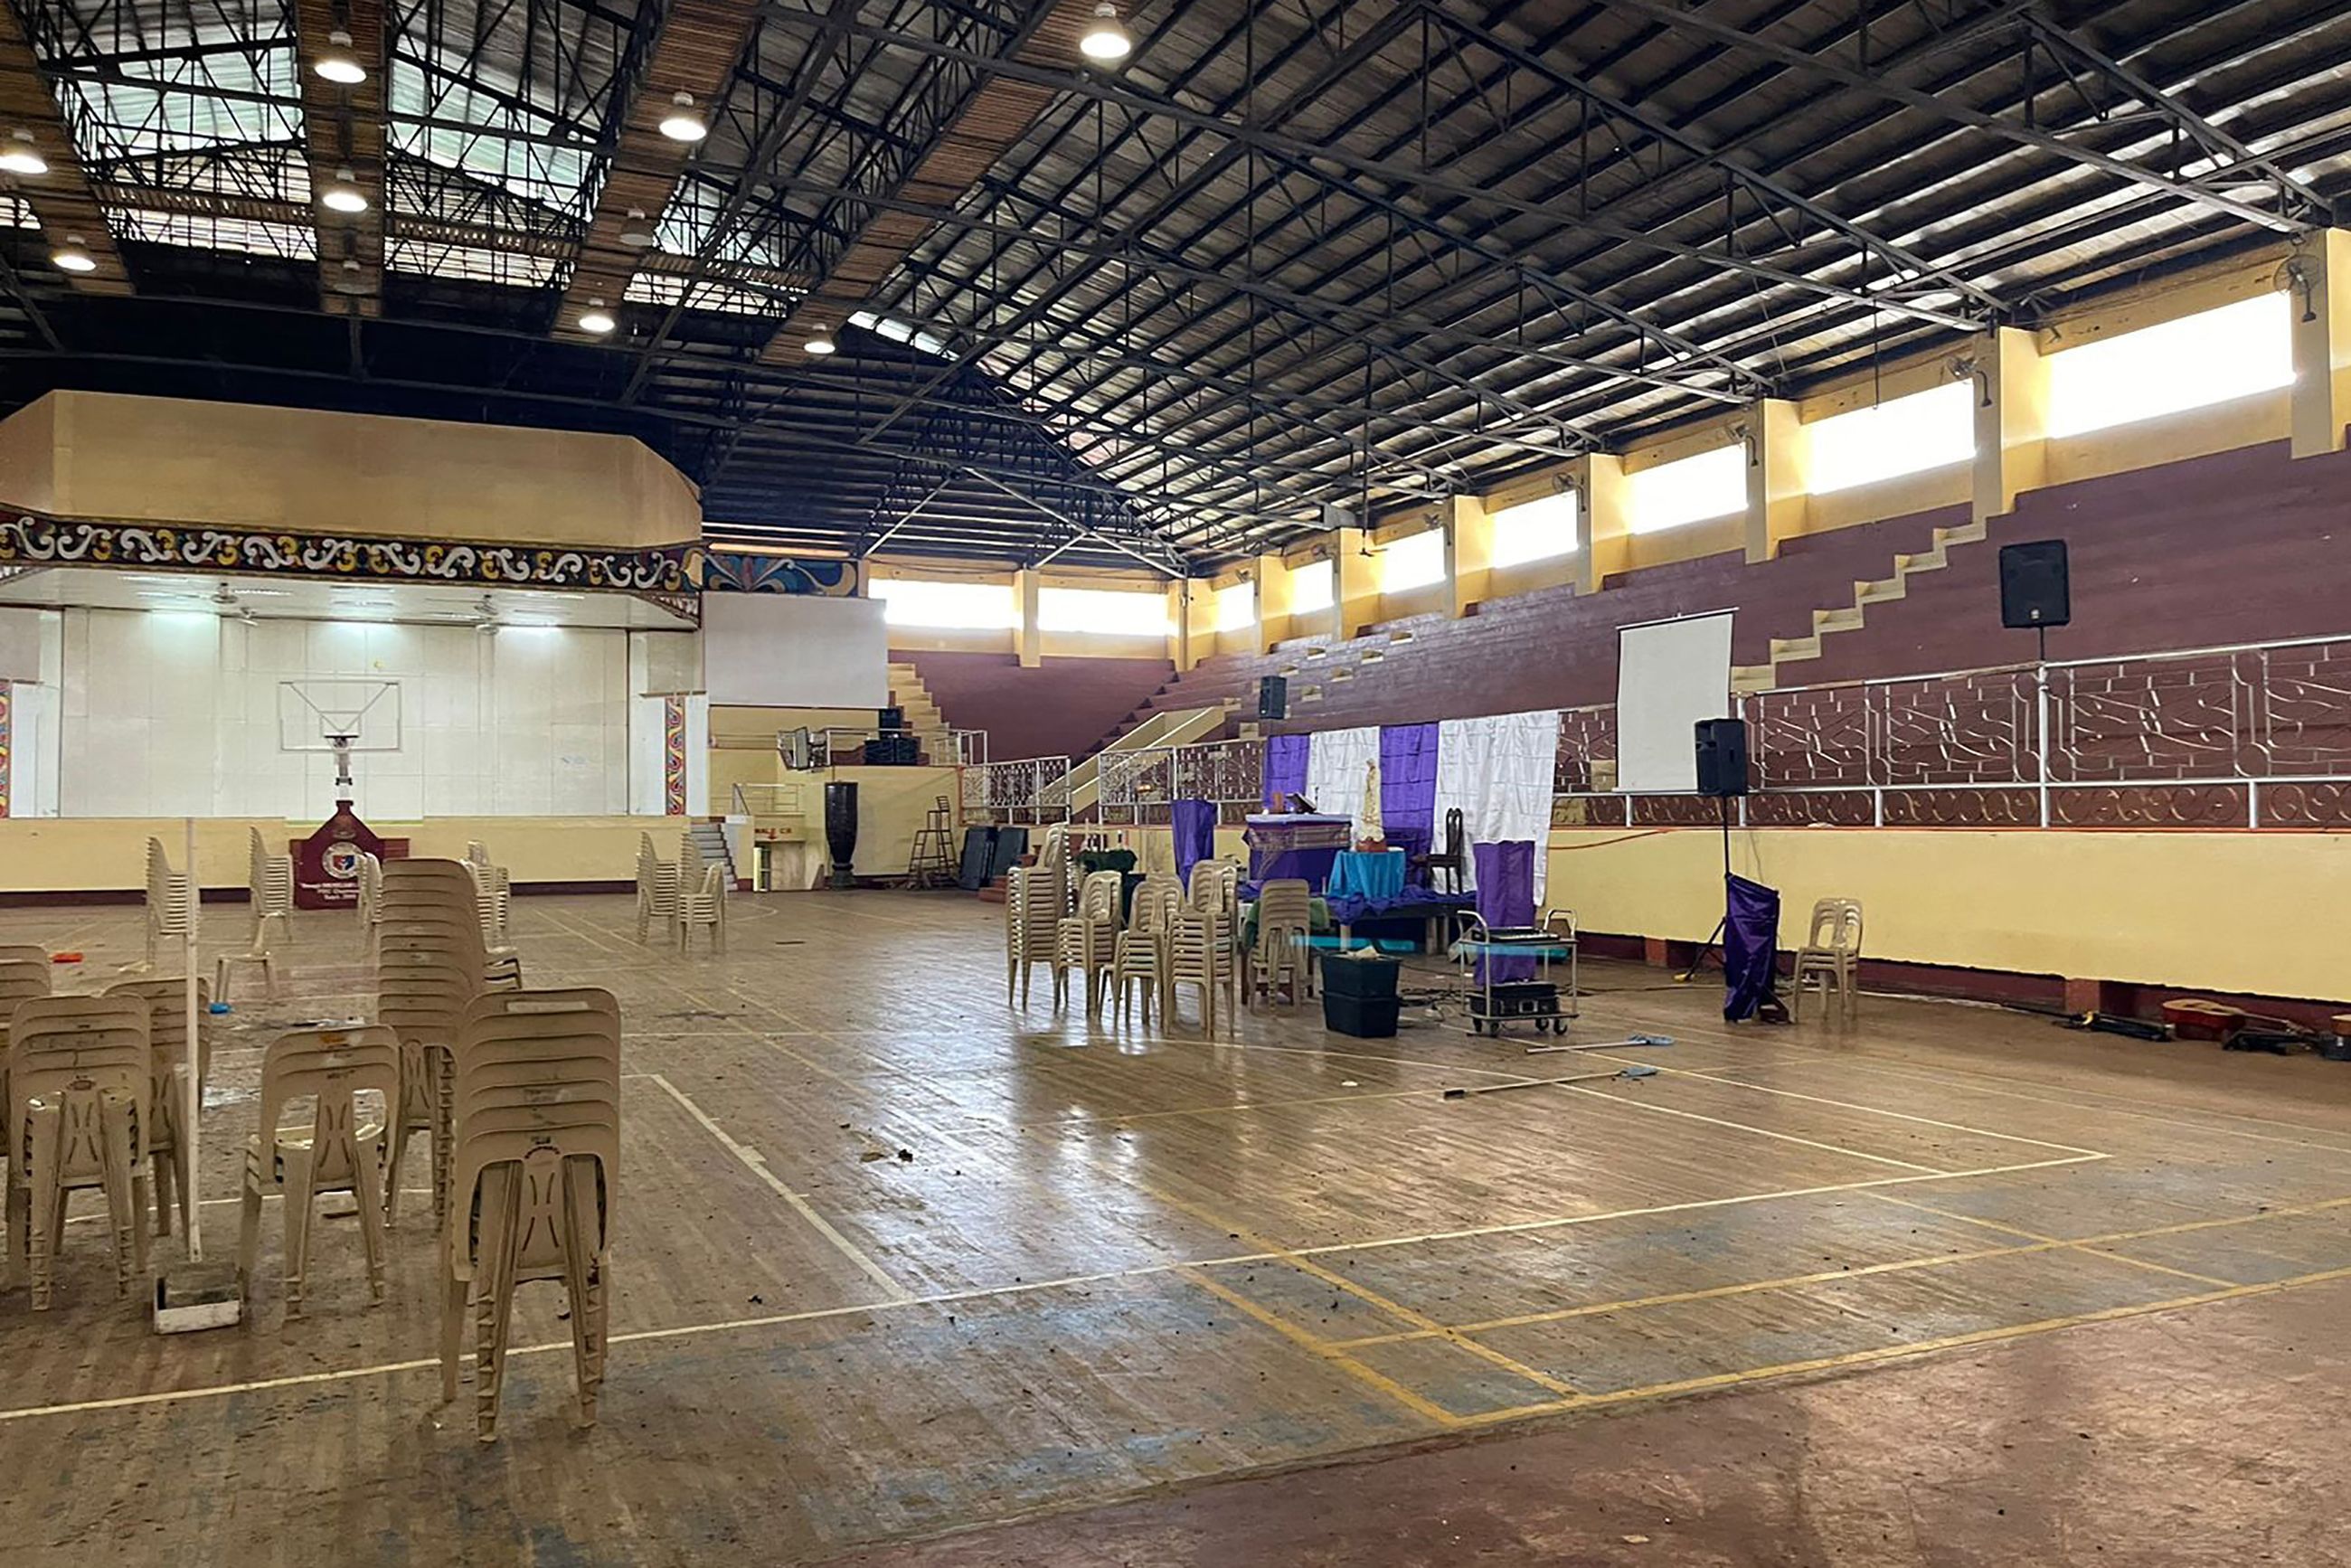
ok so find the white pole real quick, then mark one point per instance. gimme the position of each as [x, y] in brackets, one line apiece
[192, 1107]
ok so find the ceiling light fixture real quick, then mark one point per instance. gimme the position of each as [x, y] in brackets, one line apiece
[73, 257]
[819, 341]
[1104, 39]
[596, 318]
[637, 233]
[350, 277]
[338, 63]
[21, 157]
[345, 196]
[683, 122]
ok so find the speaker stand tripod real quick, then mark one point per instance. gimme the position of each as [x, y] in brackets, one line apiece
[1714, 940]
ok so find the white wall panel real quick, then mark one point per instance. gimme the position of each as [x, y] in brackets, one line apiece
[171, 715]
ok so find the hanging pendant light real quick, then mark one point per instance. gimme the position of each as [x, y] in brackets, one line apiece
[73, 256]
[1105, 39]
[338, 62]
[596, 318]
[345, 196]
[819, 341]
[637, 232]
[20, 156]
[683, 122]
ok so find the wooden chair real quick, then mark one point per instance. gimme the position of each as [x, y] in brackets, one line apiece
[539, 1130]
[1086, 943]
[271, 882]
[335, 1152]
[1453, 859]
[1032, 911]
[1285, 919]
[703, 905]
[169, 898]
[1831, 955]
[78, 1087]
[656, 889]
[167, 1042]
[1140, 958]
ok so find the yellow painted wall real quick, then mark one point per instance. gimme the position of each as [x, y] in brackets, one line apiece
[244, 465]
[2241, 912]
[83, 853]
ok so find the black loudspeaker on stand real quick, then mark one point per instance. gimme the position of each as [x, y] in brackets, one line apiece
[1721, 773]
[840, 830]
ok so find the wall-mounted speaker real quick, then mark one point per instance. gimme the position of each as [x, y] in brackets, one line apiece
[1722, 757]
[2034, 589]
[1272, 697]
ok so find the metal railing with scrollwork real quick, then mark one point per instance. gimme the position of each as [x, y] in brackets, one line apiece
[1033, 790]
[2254, 736]
[1137, 787]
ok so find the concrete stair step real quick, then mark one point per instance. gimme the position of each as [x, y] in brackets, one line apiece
[1753, 677]
[1786, 648]
[1879, 592]
[1846, 619]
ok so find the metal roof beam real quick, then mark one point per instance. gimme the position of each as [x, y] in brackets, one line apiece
[1879, 85]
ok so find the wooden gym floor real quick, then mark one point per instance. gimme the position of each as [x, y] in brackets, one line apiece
[894, 1261]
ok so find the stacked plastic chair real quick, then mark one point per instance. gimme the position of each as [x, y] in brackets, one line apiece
[370, 903]
[1217, 889]
[1199, 955]
[335, 1152]
[169, 898]
[166, 1002]
[538, 1143]
[1140, 961]
[1086, 943]
[656, 889]
[271, 882]
[1032, 917]
[78, 1089]
[492, 894]
[703, 905]
[23, 977]
[1285, 918]
[432, 964]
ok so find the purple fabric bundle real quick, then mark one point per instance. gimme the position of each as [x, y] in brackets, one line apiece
[1751, 946]
[1195, 822]
[1506, 897]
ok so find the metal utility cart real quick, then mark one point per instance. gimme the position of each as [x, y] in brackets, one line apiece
[1493, 1003]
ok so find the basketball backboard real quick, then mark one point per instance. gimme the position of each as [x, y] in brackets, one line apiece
[339, 715]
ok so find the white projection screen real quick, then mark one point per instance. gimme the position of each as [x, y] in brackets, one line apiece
[1669, 676]
[794, 650]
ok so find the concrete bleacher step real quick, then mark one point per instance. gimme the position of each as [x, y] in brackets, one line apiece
[1852, 617]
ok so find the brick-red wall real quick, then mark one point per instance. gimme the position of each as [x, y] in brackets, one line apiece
[1060, 709]
[2239, 547]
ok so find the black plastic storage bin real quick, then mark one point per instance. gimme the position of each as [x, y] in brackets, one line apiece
[1365, 1018]
[1371, 980]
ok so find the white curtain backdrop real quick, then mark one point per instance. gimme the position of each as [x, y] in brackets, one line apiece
[1335, 768]
[1499, 772]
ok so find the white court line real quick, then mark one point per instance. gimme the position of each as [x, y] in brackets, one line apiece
[758, 1167]
[988, 1292]
[1844, 1104]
